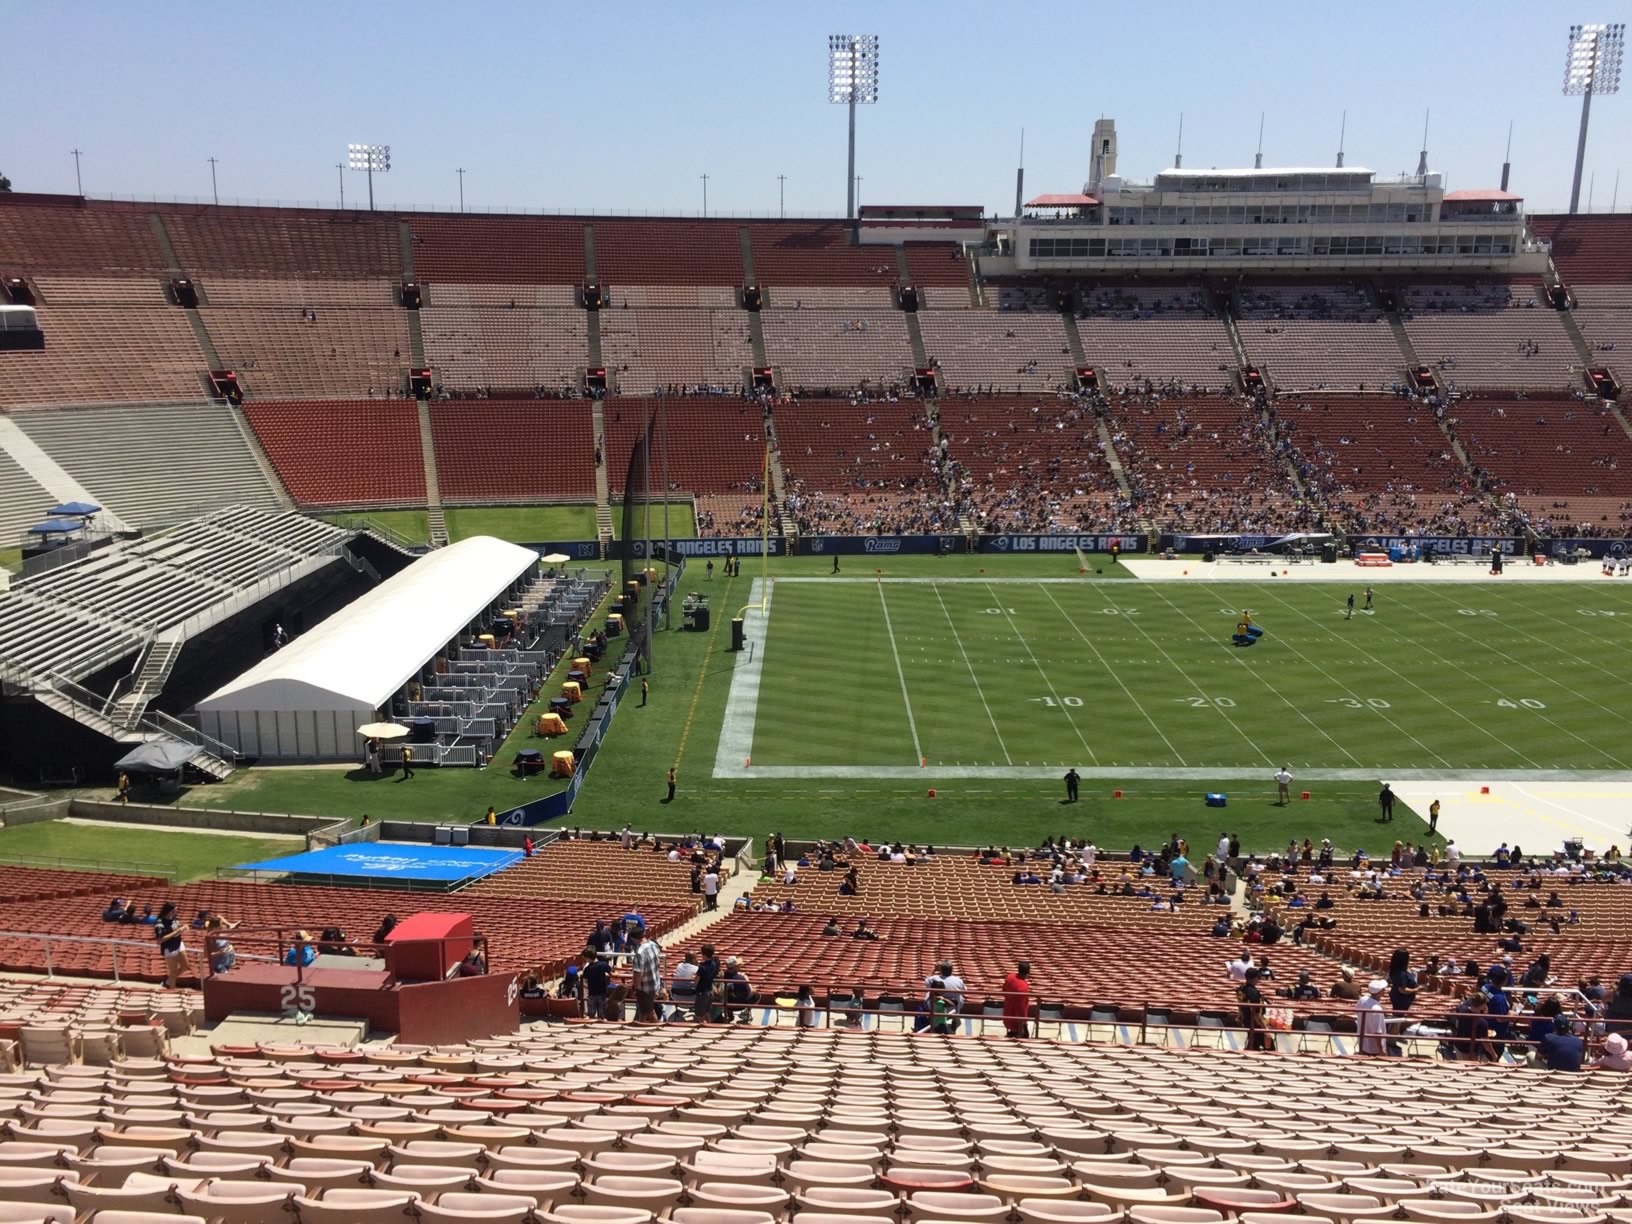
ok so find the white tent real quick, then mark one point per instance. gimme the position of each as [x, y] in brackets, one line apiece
[308, 699]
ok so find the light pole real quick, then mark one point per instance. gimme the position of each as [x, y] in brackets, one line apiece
[781, 195]
[852, 79]
[704, 177]
[214, 194]
[370, 158]
[1592, 64]
[79, 187]
[341, 166]
[461, 173]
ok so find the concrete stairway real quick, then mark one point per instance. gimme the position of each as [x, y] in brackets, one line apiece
[1112, 458]
[151, 673]
[437, 521]
[603, 485]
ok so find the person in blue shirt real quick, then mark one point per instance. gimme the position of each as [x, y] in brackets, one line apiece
[115, 911]
[1562, 1050]
[1498, 1008]
[1178, 867]
[300, 953]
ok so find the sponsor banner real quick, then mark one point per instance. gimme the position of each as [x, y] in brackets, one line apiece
[1061, 543]
[878, 545]
[742, 546]
[1595, 549]
[578, 550]
[1455, 546]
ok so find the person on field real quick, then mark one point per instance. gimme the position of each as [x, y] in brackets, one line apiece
[1073, 780]
[1350, 614]
[1283, 785]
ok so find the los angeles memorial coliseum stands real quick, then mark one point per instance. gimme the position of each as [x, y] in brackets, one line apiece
[206, 376]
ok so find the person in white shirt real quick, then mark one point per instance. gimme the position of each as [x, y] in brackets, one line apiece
[1453, 853]
[1088, 853]
[1283, 783]
[1223, 847]
[711, 889]
[952, 986]
[1371, 1020]
[1238, 967]
[674, 855]
[791, 875]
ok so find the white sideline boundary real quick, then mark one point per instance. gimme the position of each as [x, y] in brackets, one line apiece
[906, 698]
[1194, 773]
[742, 704]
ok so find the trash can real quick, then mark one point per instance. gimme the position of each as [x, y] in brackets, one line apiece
[1328, 552]
[738, 636]
[461, 835]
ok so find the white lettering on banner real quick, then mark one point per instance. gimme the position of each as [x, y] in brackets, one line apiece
[882, 544]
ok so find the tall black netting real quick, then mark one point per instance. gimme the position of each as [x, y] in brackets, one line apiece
[638, 533]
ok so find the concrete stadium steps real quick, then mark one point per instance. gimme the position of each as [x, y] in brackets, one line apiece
[102, 353]
[23, 500]
[154, 463]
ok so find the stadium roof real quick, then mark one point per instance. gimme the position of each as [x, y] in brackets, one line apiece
[363, 654]
[1266, 172]
[1066, 200]
[1481, 193]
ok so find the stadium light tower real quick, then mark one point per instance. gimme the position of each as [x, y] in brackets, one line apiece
[369, 158]
[852, 80]
[1592, 65]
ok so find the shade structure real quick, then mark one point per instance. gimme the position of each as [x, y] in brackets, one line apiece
[557, 559]
[157, 756]
[75, 509]
[383, 730]
[308, 700]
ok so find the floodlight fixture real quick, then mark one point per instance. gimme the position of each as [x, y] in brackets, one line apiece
[852, 80]
[1592, 65]
[369, 158]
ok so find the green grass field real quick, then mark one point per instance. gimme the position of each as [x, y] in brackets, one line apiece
[1134, 683]
[410, 525]
[186, 855]
[523, 524]
[1011, 672]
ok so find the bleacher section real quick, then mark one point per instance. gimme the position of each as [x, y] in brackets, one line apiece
[1029, 464]
[837, 349]
[1164, 335]
[78, 617]
[504, 349]
[1369, 443]
[1200, 463]
[284, 352]
[593, 871]
[105, 354]
[521, 933]
[284, 243]
[498, 250]
[678, 253]
[816, 253]
[23, 502]
[367, 291]
[154, 463]
[77, 237]
[1539, 446]
[714, 444]
[649, 350]
[343, 452]
[997, 353]
[1588, 250]
[851, 467]
[510, 450]
[937, 265]
[1318, 336]
[1491, 336]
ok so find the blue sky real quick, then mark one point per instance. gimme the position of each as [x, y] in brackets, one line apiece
[620, 107]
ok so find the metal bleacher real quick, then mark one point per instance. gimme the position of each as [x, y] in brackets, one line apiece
[74, 619]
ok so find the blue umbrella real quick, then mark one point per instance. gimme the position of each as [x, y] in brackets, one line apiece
[76, 509]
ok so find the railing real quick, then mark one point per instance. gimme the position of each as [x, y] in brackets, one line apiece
[389, 211]
[167, 871]
[103, 940]
[165, 724]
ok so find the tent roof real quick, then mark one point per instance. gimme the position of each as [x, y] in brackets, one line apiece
[56, 527]
[1059, 200]
[157, 756]
[1481, 193]
[364, 653]
[77, 509]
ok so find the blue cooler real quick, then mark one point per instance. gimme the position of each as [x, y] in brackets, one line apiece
[1217, 799]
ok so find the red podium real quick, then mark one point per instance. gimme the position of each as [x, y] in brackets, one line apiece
[425, 947]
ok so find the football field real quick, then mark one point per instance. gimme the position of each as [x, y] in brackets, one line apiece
[1016, 677]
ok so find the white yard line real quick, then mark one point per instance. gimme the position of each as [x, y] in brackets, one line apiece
[1116, 675]
[1004, 748]
[906, 700]
[1251, 743]
[742, 704]
[1432, 696]
[1086, 747]
[131, 826]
